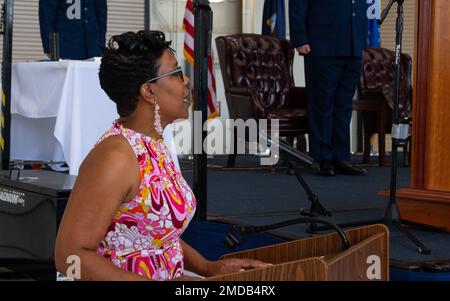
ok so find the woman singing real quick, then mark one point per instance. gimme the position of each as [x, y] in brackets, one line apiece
[130, 204]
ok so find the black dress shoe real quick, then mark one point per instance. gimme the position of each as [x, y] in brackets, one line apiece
[347, 168]
[326, 169]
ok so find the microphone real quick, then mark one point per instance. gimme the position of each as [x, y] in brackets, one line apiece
[288, 150]
[54, 46]
[385, 12]
[236, 234]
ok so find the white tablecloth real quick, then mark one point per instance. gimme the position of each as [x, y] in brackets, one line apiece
[59, 111]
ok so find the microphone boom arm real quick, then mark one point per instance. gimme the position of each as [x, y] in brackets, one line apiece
[235, 235]
[386, 10]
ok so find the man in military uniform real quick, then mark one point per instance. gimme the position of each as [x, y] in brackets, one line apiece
[332, 35]
[80, 24]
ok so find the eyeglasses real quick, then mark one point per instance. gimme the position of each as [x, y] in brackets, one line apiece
[177, 71]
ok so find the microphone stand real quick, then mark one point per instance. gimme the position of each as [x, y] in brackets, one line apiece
[316, 208]
[400, 132]
[235, 236]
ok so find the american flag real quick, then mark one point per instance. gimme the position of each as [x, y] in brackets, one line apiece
[189, 29]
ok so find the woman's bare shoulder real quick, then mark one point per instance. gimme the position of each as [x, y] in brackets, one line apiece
[114, 154]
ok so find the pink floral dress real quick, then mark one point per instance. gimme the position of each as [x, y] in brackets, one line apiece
[144, 235]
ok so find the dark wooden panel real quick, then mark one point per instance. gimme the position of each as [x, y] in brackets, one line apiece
[421, 100]
[437, 158]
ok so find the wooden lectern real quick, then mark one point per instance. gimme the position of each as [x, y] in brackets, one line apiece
[320, 258]
[427, 201]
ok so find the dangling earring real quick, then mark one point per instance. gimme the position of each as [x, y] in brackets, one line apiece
[157, 122]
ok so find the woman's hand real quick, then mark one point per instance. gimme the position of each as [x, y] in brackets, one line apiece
[234, 265]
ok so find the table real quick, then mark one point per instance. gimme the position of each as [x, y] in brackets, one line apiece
[59, 111]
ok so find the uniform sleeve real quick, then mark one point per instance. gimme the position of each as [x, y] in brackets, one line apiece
[47, 16]
[298, 10]
[365, 32]
[101, 14]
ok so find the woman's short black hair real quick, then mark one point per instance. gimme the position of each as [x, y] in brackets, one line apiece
[128, 61]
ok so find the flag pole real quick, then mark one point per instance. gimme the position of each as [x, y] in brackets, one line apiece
[147, 14]
[202, 46]
[7, 31]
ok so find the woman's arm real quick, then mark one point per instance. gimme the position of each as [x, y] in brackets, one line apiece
[107, 177]
[195, 262]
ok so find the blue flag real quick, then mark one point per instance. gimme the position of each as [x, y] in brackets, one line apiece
[373, 14]
[274, 19]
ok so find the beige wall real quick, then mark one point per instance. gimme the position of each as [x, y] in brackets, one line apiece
[388, 27]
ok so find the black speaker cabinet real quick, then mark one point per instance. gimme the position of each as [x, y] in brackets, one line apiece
[31, 206]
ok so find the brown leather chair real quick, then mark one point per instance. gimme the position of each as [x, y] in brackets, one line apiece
[376, 97]
[259, 83]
